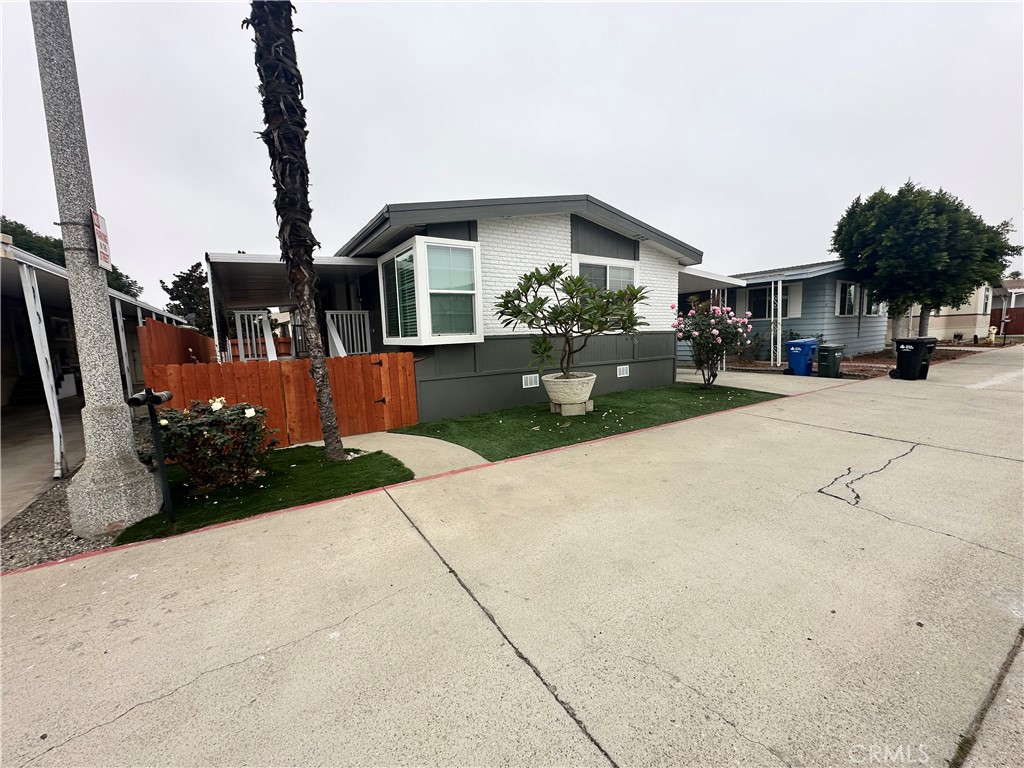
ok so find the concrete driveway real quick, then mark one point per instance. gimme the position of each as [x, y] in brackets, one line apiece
[832, 579]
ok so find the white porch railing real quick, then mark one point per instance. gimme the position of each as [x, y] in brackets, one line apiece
[348, 333]
[255, 341]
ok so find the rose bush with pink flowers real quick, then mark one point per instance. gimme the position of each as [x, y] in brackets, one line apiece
[712, 332]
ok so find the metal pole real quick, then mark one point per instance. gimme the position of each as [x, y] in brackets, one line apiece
[113, 489]
[158, 450]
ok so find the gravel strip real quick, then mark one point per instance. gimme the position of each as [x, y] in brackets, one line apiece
[42, 532]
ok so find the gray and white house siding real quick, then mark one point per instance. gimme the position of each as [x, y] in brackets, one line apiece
[485, 371]
[425, 278]
[819, 298]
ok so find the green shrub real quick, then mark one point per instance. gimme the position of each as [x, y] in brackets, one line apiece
[217, 444]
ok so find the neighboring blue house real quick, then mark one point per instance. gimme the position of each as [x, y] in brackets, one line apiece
[821, 298]
[812, 299]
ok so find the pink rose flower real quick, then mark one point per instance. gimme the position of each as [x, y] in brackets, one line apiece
[675, 323]
[694, 334]
[672, 305]
[714, 331]
[691, 313]
[748, 313]
[718, 339]
[750, 328]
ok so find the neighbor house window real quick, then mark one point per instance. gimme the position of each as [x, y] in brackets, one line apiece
[757, 303]
[846, 299]
[985, 301]
[430, 292]
[872, 306]
[607, 276]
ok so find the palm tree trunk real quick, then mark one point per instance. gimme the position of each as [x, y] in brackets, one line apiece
[285, 137]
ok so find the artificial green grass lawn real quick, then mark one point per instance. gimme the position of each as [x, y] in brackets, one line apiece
[531, 428]
[293, 476]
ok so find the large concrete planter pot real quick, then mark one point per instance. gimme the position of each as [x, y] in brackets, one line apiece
[570, 397]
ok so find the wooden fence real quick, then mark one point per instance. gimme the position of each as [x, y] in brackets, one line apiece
[1016, 325]
[372, 393]
[164, 344]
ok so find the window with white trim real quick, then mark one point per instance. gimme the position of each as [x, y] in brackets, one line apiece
[611, 277]
[846, 299]
[986, 300]
[758, 302]
[872, 306]
[430, 292]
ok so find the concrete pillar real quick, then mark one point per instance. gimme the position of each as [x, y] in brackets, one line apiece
[112, 489]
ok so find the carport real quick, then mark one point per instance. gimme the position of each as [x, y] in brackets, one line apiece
[38, 353]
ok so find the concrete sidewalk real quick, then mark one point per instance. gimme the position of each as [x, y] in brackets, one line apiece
[808, 581]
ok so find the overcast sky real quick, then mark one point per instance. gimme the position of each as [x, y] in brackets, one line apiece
[744, 130]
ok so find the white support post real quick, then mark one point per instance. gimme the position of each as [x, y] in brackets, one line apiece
[124, 348]
[30, 288]
[268, 338]
[213, 313]
[335, 344]
[240, 336]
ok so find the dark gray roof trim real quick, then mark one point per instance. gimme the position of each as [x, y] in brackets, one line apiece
[396, 223]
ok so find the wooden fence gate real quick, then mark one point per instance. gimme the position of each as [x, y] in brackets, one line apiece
[372, 393]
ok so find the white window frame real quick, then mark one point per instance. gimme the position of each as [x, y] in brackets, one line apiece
[855, 287]
[424, 324]
[787, 295]
[605, 261]
[872, 308]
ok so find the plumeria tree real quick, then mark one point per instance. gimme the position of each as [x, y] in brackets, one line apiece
[712, 332]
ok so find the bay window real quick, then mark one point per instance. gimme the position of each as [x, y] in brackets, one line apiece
[430, 292]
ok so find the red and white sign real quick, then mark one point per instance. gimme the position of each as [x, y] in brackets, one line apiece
[99, 227]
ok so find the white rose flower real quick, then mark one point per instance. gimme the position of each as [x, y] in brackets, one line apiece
[164, 422]
[250, 412]
[217, 405]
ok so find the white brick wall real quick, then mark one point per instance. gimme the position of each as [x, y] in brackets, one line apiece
[511, 247]
[660, 274]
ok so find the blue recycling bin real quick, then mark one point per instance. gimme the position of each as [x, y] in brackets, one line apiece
[801, 356]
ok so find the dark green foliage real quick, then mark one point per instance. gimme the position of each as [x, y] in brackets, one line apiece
[216, 444]
[43, 246]
[569, 310]
[293, 476]
[923, 247]
[190, 295]
[531, 428]
[52, 249]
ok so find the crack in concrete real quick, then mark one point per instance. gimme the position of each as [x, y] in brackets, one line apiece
[752, 414]
[941, 533]
[849, 484]
[204, 673]
[522, 656]
[857, 499]
[704, 702]
[969, 738]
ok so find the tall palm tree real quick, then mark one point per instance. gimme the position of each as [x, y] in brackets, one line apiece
[285, 137]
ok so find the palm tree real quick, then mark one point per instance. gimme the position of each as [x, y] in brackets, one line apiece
[285, 137]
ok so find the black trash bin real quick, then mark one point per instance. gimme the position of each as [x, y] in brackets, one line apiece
[912, 357]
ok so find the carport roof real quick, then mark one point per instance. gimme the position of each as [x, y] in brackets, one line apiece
[53, 282]
[255, 281]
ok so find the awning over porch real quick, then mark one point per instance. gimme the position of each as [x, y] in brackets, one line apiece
[692, 280]
[256, 281]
